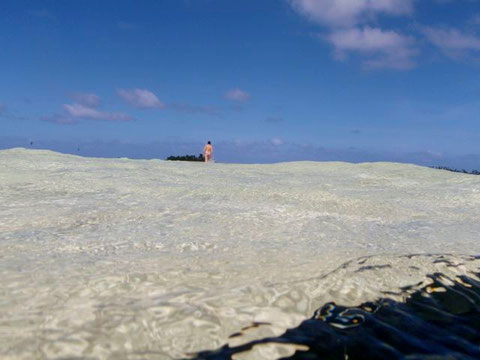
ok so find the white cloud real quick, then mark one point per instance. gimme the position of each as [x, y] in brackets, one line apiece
[346, 13]
[237, 95]
[81, 111]
[347, 29]
[380, 49]
[452, 41]
[140, 98]
[90, 100]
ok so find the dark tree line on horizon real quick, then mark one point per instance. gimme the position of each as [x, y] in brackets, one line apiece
[463, 171]
[187, 158]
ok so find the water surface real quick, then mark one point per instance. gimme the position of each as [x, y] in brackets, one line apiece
[147, 259]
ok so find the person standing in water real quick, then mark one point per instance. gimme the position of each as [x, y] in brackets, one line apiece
[208, 151]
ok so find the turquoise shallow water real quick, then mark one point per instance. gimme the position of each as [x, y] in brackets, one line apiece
[121, 259]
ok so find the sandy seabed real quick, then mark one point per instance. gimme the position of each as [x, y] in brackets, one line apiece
[147, 259]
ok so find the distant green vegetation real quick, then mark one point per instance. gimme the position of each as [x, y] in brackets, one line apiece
[463, 171]
[187, 158]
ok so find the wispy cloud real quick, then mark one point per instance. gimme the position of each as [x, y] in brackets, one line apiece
[141, 98]
[84, 112]
[146, 99]
[347, 13]
[86, 106]
[453, 42]
[380, 49]
[237, 95]
[345, 26]
[90, 100]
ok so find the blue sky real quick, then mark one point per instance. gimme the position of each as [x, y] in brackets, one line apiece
[264, 80]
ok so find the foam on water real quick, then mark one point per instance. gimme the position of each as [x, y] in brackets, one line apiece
[123, 259]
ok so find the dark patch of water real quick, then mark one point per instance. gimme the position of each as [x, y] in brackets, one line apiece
[439, 321]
